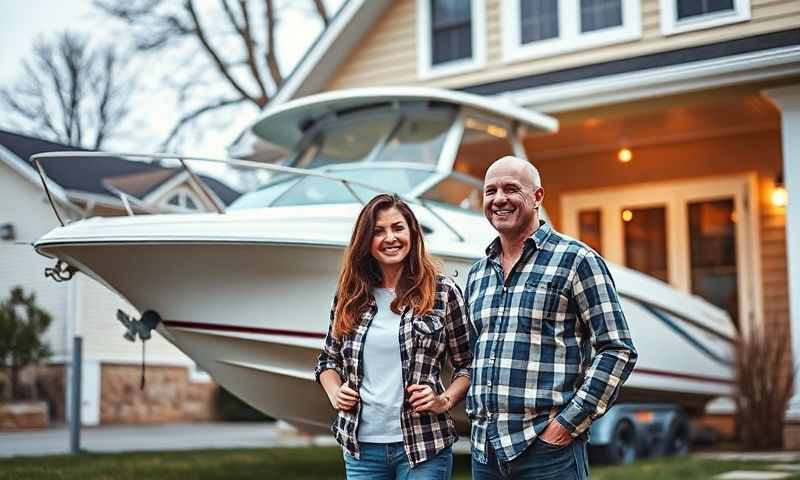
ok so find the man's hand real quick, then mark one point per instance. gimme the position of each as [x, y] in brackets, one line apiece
[423, 399]
[555, 434]
[345, 398]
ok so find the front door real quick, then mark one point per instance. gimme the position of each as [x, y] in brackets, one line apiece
[697, 235]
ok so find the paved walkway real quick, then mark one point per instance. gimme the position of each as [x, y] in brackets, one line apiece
[187, 436]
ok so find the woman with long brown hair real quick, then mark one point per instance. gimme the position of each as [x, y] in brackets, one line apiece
[394, 320]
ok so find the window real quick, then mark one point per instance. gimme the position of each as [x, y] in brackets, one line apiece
[541, 28]
[450, 37]
[678, 16]
[451, 29]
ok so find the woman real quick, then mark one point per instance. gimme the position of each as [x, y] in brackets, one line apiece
[392, 322]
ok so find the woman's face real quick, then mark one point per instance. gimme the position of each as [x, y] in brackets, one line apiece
[391, 238]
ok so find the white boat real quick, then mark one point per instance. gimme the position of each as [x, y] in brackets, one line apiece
[246, 293]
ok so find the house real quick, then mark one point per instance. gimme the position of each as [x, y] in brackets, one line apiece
[680, 125]
[176, 390]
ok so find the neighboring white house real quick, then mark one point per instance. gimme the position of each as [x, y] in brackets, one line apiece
[175, 390]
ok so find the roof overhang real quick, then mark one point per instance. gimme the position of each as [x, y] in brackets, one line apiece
[657, 82]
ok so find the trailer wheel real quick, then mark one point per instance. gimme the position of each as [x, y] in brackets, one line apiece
[677, 438]
[621, 450]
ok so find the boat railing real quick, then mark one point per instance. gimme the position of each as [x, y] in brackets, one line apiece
[130, 203]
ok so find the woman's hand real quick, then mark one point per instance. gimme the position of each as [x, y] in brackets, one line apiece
[345, 398]
[423, 399]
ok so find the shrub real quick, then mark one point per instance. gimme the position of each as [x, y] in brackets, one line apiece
[764, 383]
[22, 324]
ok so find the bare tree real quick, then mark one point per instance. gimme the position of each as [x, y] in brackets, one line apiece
[238, 38]
[70, 92]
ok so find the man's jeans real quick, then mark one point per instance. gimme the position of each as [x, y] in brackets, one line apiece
[540, 461]
[388, 461]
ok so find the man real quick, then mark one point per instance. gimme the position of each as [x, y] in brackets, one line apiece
[552, 344]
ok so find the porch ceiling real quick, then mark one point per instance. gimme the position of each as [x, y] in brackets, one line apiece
[657, 123]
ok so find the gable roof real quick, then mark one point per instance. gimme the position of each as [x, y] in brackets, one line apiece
[88, 174]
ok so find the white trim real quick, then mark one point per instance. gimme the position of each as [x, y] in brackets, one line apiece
[425, 69]
[570, 37]
[787, 99]
[320, 53]
[674, 195]
[670, 25]
[655, 82]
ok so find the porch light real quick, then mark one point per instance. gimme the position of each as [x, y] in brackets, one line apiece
[624, 155]
[779, 196]
[627, 215]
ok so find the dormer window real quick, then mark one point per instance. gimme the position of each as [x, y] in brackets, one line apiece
[542, 28]
[450, 37]
[678, 16]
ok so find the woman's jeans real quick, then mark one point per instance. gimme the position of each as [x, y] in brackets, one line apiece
[540, 461]
[388, 461]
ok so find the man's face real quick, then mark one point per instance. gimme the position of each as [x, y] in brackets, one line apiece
[510, 199]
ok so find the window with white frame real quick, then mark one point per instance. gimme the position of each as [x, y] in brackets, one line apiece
[678, 16]
[541, 28]
[183, 199]
[450, 37]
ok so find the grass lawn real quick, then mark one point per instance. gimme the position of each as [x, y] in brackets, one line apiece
[295, 463]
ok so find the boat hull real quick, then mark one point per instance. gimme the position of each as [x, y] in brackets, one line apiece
[254, 316]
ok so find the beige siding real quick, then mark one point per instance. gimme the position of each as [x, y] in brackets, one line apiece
[773, 261]
[387, 54]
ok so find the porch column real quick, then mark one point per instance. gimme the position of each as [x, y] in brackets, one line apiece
[787, 100]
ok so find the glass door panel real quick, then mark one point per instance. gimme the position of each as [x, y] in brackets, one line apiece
[645, 232]
[712, 245]
[590, 229]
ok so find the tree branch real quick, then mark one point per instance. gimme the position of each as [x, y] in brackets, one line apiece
[223, 69]
[191, 116]
[272, 61]
[322, 12]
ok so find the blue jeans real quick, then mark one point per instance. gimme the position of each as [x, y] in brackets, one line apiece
[540, 461]
[388, 461]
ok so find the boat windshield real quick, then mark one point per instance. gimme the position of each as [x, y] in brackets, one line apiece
[403, 135]
[308, 190]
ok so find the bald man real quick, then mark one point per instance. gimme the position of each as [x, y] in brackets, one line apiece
[552, 344]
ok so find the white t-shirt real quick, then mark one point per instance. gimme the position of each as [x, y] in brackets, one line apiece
[382, 387]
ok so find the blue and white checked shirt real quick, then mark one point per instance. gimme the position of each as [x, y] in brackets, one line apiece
[535, 334]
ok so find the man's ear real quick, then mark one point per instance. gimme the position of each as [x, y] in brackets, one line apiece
[538, 196]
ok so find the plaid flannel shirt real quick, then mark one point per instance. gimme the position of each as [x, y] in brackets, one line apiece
[535, 334]
[424, 342]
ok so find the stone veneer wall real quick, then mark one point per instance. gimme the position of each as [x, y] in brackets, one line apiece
[169, 395]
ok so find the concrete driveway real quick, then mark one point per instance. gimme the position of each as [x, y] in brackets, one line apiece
[187, 436]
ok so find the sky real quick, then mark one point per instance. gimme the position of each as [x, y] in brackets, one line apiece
[156, 110]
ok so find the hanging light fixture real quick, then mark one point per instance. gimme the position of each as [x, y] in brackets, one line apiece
[779, 196]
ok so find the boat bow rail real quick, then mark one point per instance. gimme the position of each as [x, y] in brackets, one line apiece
[132, 203]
